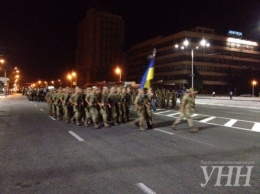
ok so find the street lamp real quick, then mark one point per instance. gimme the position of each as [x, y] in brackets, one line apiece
[186, 43]
[69, 77]
[3, 61]
[253, 83]
[118, 71]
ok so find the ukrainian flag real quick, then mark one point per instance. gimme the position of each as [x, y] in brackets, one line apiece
[149, 74]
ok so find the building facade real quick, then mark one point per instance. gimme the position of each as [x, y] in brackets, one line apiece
[219, 63]
[100, 46]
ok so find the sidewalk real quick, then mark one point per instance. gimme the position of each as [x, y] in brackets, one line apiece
[235, 98]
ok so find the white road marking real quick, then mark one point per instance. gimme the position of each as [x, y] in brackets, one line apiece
[76, 136]
[194, 115]
[236, 113]
[31, 102]
[163, 131]
[207, 119]
[170, 115]
[145, 189]
[52, 118]
[163, 111]
[230, 123]
[35, 104]
[256, 127]
[41, 110]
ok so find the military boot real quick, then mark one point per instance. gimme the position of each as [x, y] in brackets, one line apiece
[96, 125]
[86, 123]
[174, 126]
[194, 129]
[142, 128]
[106, 124]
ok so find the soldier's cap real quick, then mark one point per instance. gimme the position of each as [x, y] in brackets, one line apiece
[94, 87]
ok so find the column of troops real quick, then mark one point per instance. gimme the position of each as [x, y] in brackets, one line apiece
[106, 107]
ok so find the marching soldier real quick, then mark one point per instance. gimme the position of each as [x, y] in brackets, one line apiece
[103, 104]
[76, 102]
[87, 119]
[186, 110]
[128, 96]
[65, 104]
[93, 104]
[112, 100]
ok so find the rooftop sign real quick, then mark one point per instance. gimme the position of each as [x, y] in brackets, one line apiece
[234, 33]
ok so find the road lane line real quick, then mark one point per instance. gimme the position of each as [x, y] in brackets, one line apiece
[76, 136]
[41, 110]
[256, 127]
[35, 104]
[31, 102]
[230, 123]
[207, 119]
[145, 189]
[52, 118]
[163, 131]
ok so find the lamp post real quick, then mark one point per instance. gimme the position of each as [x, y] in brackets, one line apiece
[3, 61]
[118, 71]
[203, 43]
[60, 82]
[253, 83]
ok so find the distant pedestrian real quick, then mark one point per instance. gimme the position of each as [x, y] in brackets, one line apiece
[213, 93]
[230, 95]
[186, 110]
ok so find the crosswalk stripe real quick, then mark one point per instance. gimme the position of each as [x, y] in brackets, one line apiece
[194, 115]
[170, 115]
[256, 127]
[207, 119]
[163, 111]
[230, 123]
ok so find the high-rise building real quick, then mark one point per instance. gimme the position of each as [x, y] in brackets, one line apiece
[219, 63]
[100, 46]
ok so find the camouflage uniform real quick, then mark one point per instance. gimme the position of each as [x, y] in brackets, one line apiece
[186, 110]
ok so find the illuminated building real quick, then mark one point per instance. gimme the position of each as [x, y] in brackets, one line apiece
[100, 46]
[229, 63]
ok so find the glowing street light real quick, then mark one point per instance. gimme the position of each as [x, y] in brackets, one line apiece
[60, 82]
[253, 83]
[2, 61]
[118, 71]
[186, 43]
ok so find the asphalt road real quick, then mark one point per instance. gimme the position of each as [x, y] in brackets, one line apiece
[42, 155]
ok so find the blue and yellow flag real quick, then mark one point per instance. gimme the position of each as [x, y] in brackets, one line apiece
[149, 74]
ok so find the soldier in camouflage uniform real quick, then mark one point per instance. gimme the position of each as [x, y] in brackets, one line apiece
[92, 100]
[186, 110]
[103, 104]
[87, 119]
[112, 100]
[65, 104]
[140, 109]
[48, 99]
[58, 103]
[76, 102]
[128, 97]
[118, 104]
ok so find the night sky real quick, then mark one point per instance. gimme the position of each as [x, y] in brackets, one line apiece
[40, 36]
